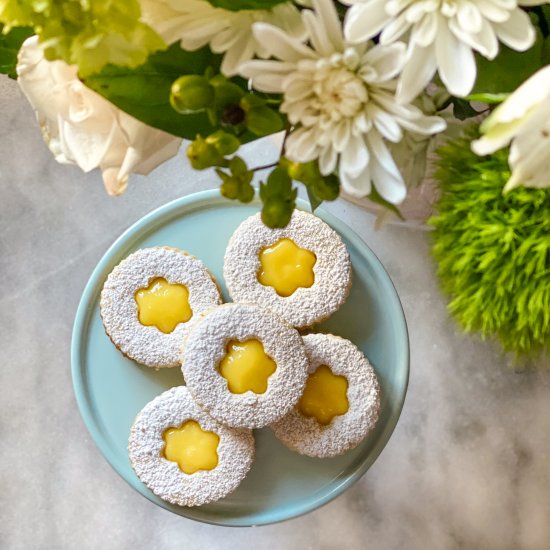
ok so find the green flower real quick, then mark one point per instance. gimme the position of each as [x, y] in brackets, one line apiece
[493, 250]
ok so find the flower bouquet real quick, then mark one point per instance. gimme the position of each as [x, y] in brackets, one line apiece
[362, 92]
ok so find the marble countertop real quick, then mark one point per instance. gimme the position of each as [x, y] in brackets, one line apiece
[468, 466]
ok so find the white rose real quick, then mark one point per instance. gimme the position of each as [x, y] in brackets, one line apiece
[81, 127]
[524, 120]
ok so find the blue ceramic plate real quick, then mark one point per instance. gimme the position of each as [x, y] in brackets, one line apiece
[111, 389]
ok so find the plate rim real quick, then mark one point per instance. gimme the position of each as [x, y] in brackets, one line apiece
[83, 314]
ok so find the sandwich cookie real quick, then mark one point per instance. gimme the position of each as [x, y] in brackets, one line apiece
[340, 403]
[244, 365]
[302, 272]
[149, 301]
[183, 455]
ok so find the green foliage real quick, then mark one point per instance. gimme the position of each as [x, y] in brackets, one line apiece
[9, 46]
[236, 5]
[144, 91]
[87, 33]
[278, 197]
[493, 250]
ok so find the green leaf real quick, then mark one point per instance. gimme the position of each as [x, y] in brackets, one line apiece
[9, 47]
[509, 69]
[462, 108]
[144, 92]
[237, 5]
[314, 201]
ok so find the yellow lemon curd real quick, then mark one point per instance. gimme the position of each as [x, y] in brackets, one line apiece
[163, 305]
[325, 396]
[286, 267]
[246, 366]
[191, 447]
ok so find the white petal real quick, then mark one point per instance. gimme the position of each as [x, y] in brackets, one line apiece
[457, 66]
[329, 22]
[394, 29]
[355, 157]
[424, 125]
[327, 160]
[485, 41]
[365, 21]
[241, 51]
[425, 30]
[387, 61]
[384, 123]
[359, 186]
[468, 17]
[517, 32]
[267, 76]
[280, 44]
[417, 74]
[341, 135]
[385, 174]
[301, 146]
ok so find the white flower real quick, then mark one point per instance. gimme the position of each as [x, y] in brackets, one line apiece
[340, 99]
[196, 23]
[81, 127]
[524, 120]
[442, 35]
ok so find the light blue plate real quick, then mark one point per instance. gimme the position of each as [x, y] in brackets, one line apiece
[111, 390]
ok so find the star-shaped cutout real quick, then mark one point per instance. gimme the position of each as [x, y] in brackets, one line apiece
[325, 396]
[286, 267]
[246, 366]
[191, 447]
[163, 305]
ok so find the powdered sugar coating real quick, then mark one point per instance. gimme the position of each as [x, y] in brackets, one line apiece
[164, 477]
[304, 434]
[147, 344]
[206, 346]
[306, 306]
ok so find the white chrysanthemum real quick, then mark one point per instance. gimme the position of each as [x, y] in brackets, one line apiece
[196, 23]
[340, 100]
[442, 35]
[524, 120]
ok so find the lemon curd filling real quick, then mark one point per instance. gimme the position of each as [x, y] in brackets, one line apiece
[163, 305]
[246, 366]
[325, 396]
[286, 267]
[191, 447]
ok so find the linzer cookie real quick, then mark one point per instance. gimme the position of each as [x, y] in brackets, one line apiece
[244, 365]
[150, 300]
[302, 272]
[340, 403]
[183, 455]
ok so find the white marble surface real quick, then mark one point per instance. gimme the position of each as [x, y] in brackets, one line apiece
[468, 466]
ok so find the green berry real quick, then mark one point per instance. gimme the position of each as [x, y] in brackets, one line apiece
[203, 155]
[225, 143]
[191, 93]
[276, 212]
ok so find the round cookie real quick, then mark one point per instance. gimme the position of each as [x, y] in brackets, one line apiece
[305, 434]
[165, 478]
[274, 362]
[149, 345]
[307, 304]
